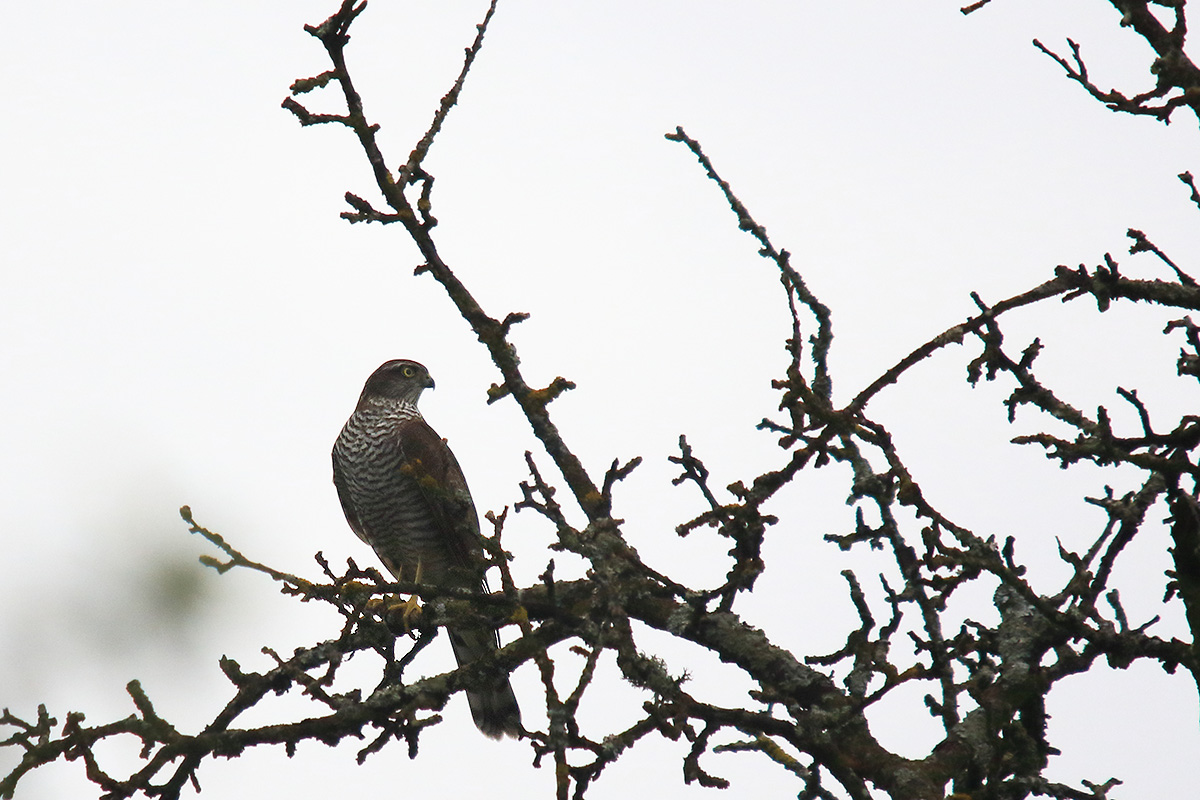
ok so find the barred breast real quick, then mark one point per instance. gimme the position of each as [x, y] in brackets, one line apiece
[385, 506]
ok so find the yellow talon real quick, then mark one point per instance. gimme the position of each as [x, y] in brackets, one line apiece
[409, 610]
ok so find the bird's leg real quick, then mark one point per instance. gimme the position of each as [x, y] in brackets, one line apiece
[409, 611]
[412, 608]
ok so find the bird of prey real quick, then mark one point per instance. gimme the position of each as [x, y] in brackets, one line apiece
[404, 494]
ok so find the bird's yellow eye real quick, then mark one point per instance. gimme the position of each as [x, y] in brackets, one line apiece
[408, 372]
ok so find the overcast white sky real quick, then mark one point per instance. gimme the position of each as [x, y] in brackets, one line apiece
[186, 320]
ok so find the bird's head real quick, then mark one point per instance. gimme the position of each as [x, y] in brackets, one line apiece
[401, 380]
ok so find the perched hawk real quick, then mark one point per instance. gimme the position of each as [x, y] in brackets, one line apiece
[405, 495]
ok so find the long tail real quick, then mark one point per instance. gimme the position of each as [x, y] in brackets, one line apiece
[493, 708]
